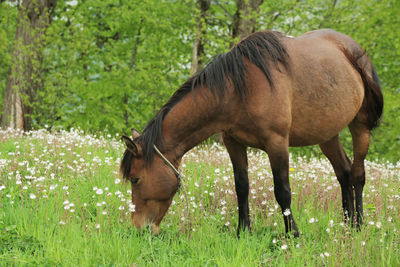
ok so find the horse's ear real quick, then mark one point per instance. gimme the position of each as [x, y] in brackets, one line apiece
[132, 146]
[135, 134]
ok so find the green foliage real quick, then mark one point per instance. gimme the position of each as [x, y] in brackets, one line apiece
[8, 21]
[90, 80]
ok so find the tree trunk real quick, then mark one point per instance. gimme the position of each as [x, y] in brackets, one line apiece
[198, 44]
[24, 77]
[244, 20]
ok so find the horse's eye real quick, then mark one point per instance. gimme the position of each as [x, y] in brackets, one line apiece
[134, 180]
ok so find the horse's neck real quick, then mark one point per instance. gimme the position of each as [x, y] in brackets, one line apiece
[195, 118]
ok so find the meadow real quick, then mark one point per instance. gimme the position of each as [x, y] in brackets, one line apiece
[63, 203]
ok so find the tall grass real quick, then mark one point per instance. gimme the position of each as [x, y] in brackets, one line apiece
[63, 203]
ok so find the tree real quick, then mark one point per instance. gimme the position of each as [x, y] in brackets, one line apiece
[24, 76]
[244, 20]
[198, 44]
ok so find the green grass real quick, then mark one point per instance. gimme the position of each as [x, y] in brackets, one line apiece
[41, 171]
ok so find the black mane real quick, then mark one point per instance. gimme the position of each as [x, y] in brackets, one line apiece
[261, 49]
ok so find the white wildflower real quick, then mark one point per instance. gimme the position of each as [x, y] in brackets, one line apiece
[287, 212]
[132, 207]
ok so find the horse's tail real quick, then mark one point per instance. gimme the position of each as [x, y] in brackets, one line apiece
[373, 98]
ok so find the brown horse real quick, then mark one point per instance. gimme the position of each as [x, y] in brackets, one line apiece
[268, 92]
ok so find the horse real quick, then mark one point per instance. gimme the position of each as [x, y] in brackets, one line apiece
[269, 92]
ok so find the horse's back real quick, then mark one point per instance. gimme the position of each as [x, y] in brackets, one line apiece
[327, 92]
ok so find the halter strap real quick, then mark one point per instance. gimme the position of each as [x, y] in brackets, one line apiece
[179, 175]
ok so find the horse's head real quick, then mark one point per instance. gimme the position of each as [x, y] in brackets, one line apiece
[154, 184]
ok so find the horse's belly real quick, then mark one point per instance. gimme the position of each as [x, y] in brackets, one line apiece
[315, 121]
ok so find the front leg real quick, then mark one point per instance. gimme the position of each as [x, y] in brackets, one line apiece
[279, 158]
[238, 155]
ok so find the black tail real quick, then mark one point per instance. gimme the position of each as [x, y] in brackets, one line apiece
[373, 99]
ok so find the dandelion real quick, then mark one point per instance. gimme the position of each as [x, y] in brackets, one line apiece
[32, 196]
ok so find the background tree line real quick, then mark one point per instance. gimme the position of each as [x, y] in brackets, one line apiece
[107, 65]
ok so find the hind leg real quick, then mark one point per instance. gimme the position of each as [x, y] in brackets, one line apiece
[238, 155]
[341, 164]
[361, 137]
